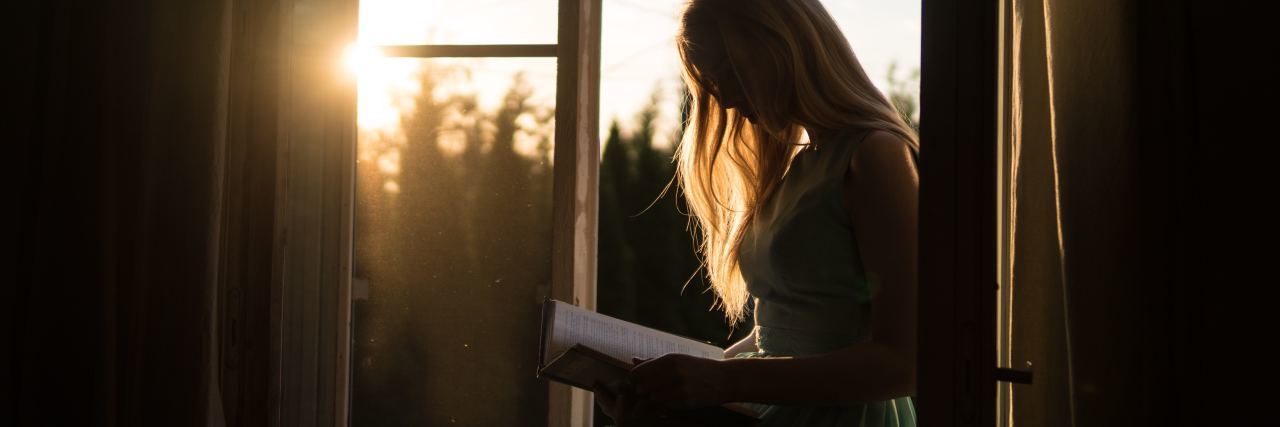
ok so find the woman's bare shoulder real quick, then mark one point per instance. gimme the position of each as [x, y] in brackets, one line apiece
[881, 149]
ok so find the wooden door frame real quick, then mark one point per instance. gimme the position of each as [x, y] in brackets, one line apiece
[958, 212]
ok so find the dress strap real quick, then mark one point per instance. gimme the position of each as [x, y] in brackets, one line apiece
[838, 158]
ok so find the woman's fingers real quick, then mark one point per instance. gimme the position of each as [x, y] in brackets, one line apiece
[656, 381]
[620, 402]
[654, 376]
[623, 407]
[603, 391]
[606, 398]
[681, 381]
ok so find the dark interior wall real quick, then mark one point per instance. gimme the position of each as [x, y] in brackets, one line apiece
[1186, 342]
[121, 109]
[1207, 86]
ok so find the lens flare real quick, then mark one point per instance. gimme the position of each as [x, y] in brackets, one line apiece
[360, 59]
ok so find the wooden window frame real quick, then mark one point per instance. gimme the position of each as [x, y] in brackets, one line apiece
[1004, 148]
[959, 221]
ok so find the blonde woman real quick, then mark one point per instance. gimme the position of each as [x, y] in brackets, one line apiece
[802, 179]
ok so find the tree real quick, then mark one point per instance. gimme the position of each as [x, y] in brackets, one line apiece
[905, 94]
[647, 253]
[453, 241]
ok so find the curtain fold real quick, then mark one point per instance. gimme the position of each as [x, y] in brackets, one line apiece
[1037, 326]
[1097, 165]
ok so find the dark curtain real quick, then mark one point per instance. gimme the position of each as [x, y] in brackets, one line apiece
[1136, 293]
[120, 131]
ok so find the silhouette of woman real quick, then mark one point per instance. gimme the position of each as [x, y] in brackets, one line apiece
[802, 178]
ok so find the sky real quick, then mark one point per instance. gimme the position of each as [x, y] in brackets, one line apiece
[637, 50]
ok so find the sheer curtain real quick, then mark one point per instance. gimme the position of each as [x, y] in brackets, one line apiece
[1079, 307]
[1136, 215]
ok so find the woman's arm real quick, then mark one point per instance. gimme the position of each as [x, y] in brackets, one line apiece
[744, 345]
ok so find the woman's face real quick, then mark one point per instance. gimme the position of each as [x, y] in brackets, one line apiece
[719, 73]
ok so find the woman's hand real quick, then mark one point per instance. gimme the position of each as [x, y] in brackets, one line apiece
[681, 381]
[620, 402]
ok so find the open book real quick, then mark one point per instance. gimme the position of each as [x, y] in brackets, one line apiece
[580, 347]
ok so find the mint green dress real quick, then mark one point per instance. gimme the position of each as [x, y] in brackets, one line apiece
[804, 272]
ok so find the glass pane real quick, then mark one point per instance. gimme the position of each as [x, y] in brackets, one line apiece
[458, 21]
[453, 241]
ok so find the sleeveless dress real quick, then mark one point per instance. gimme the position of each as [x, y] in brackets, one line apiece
[805, 275]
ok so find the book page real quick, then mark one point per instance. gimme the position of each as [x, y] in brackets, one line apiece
[615, 337]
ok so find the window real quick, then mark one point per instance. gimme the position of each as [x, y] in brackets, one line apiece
[327, 274]
[471, 162]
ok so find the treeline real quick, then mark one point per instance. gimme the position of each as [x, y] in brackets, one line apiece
[452, 258]
[648, 272]
[453, 249]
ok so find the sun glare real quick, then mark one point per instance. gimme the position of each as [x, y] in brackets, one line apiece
[360, 57]
[385, 84]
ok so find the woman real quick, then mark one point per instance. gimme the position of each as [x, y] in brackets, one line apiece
[819, 235]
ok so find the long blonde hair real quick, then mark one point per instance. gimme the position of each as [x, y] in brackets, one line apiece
[808, 76]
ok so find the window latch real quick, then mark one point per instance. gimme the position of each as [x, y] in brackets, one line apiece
[1010, 375]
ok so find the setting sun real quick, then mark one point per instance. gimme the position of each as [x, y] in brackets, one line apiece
[383, 84]
[360, 57]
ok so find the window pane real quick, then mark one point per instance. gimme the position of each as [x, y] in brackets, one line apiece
[458, 21]
[453, 241]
